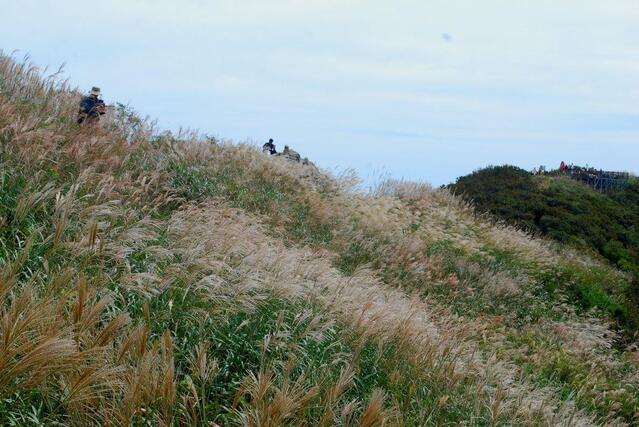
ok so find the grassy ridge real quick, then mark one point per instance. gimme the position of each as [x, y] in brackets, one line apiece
[107, 317]
[571, 213]
[560, 208]
[160, 279]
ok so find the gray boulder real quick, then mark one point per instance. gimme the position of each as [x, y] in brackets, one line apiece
[290, 154]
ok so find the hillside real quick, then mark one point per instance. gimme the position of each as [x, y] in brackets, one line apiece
[159, 279]
[570, 212]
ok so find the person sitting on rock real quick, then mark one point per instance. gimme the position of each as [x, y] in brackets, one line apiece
[269, 147]
[91, 107]
[291, 154]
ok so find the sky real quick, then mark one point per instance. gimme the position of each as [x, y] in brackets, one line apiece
[424, 90]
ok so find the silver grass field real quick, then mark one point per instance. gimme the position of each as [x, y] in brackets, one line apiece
[157, 279]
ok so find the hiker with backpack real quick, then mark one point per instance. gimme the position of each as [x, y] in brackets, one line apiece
[91, 107]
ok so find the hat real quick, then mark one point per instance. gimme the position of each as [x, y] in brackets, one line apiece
[95, 91]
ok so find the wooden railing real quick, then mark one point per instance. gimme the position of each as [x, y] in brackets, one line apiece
[598, 179]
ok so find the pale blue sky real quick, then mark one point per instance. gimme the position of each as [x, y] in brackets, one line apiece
[423, 90]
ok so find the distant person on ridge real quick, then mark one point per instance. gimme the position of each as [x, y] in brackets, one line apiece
[291, 154]
[91, 107]
[269, 147]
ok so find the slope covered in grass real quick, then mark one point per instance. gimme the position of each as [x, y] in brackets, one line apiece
[560, 208]
[161, 279]
[570, 212]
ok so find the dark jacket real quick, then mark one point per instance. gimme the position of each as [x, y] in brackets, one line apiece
[90, 108]
[269, 147]
[90, 105]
